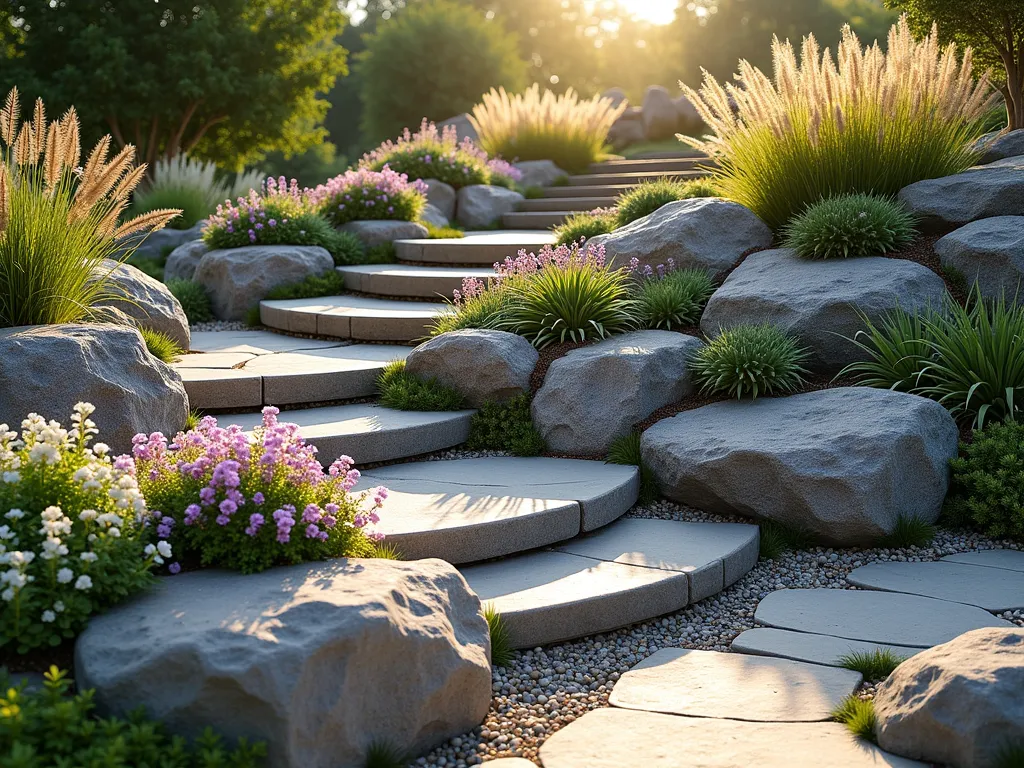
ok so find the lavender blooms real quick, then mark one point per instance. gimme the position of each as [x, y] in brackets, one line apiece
[365, 194]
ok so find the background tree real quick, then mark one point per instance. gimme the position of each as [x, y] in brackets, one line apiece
[994, 28]
[226, 80]
[433, 60]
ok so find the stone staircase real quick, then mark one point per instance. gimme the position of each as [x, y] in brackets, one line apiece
[539, 538]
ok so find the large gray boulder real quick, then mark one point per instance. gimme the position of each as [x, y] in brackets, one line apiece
[1001, 145]
[321, 660]
[146, 301]
[431, 215]
[156, 245]
[237, 279]
[463, 126]
[996, 189]
[707, 233]
[989, 252]
[480, 205]
[376, 232]
[842, 464]
[690, 120]
[617, 96]
[818, 301]
[483, 366]
[596, 394]
[184, 260]
[47, 369]
[539, 173]
[959, 703]
[660, 116]
[441, 196]
[628, 129]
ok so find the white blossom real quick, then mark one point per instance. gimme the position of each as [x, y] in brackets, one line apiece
[49, 616]
[83, 583]
[59, 606]
[65, 575]
[15, 514]
[89, 557]
[164, 548]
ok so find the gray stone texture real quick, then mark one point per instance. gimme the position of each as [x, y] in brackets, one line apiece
[989, 252]
[996, 189]
[155, 244]
[442, 196]
[463, 126]
[660, 116]
[184, 260]
[994, 589]
[383, 231]
[145, 300]
[431, 215]
[598, 393]
[628, 129]
[819, 301]
[237, 279]
[480, 205]
[959, 704]
[482, 365]
[1009, 559]
[842, 464]
[804, 646]
[47, 369]
[706, 233]
[539, 173]
[1001, 145]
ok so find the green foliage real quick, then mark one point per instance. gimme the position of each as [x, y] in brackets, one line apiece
[385, 551]
[431, 153]
[970, 359]
[53, 727]
[78, 551]
[776, 539]
[506, 426]
[1009, 756]
[134, 70]
[150, 265]
[675, 300]
[161, 346]
[194, 300]
[347, 249]
[533, 193]
[366, 195]
[402, 391]
[910, 532]
[648, 196]
[849, 226]
[626, 450]
[309, 167]
[253, 318]
[874, 665]
[988, 481]
[192, 203]
[481, 311]
[328, 284]
[501, 638]
[432, 60]
[583, 226]
[444, 233]
[291, 229]
[749, 360]
[382, 253]
[193, 419]
[858, 715]
[383, 754]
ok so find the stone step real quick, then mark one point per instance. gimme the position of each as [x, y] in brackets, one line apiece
[249, 369]
[607, 193]
[1008, 559]
[408, 280]
[353, 317]
[814, 649]
[618, 179]
[564, 204]
[649, 165]
[994, 589]
[482, 248]
[369, 432]
[535, 219]
[629, 571]
[476, 509]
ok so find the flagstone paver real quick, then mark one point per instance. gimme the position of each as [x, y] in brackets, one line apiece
[803, 646]
[994, 589]
[1010, 559]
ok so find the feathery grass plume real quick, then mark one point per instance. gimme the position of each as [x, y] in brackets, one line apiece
[59, 222]
[865, 121]
[535, 126]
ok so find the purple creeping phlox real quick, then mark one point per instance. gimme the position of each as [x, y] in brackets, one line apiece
[365, 194]
[230, 501]
[256, 216]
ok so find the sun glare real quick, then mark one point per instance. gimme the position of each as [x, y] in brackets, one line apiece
[654, 11]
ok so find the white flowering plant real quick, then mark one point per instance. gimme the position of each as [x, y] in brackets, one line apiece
[72, 521]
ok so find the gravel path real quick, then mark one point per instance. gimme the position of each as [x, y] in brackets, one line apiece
[543, 690]
[219, 325]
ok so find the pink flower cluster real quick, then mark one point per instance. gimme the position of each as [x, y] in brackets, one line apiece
[373, 187]
[277, 199]
[505, 168]
[443, 144]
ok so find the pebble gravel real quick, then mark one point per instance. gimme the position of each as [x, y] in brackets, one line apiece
[219, 325]
[545, 689]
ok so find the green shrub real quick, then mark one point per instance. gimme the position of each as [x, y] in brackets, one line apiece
[583, 226]
[533, 193]
[402, 391]
[472, 310]
[988, 481]
[383, 754]
[506, 426]
[194, 300]
[871, 124]
[501, 638]
[674, 300]
[970, 359]
[328, 284]
[80, 546]
[444, 233]
[626, 450]
[432, 154]
[432, 60]
[347, 249]
[161, 346]
[850, 226]
[53, 727]
[749, 360]
[365, 195]
[874, 665]
[858, 715]
[648, 196]
[382, 253]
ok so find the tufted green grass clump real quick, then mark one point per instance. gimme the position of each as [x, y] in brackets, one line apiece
[501, 639]
[161, 346]
[384, 754]
[444, 233]
[481, 311]
[328, 284]
[988, 481]
[675, 300]
[876, 665]
[910, 532]
[777, 539]
[506, 426]
[849, 226]
[626, 450]
[750, 360]
[858, 716]
[402, 391]
[583, 226]
[648, 196]
[194, 300]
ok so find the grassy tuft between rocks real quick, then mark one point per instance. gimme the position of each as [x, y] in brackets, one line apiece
[858, 715]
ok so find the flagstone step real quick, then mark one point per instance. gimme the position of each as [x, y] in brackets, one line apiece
[608, 192]
[483, 248]
[666, 164]
[632, 179]
[369, 432]
[535, 219]
[994, 589]
[353, 317]
[1009, 559]
[632, 570]
[249, 369]
[814, 649]
[476, 509]
[564, 204]
[410, 281]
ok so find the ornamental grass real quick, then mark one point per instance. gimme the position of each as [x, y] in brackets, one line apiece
[868, 121]
[535, 126]
[58, 224]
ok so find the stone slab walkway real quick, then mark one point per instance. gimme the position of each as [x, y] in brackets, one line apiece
[994, 589]
[803, 646]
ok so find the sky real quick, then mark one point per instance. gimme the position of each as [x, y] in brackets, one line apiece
[654, 11]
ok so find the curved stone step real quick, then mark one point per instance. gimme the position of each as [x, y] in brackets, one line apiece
[1008, 559]
[608, 192]
[666, 164]
[563, 204]
[353, 317]
[632, 179]
[407, 280]
[535, 219]
[241, 372]
[369, 432]
[629, 571]
[476, 509]
[484, 248]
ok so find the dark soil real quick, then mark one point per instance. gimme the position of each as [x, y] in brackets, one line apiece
[548, 355]
[39, 660]
[922, 251]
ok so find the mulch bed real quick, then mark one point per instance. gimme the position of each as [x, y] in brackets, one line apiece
[39, 660]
